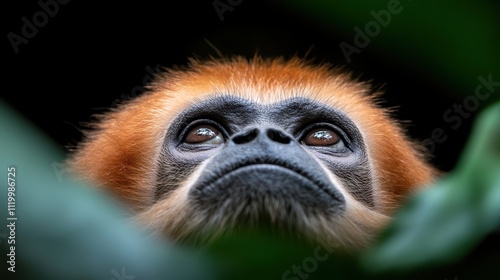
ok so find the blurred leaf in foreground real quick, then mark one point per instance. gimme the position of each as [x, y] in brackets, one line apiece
[67, 230]
[444, 223]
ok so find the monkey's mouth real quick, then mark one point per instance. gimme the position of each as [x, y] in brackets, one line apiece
[271, 178]
[266, 189]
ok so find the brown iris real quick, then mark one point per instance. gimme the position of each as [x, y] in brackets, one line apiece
[204, 134]
[321, 137]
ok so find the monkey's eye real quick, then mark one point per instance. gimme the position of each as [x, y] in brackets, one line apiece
[322, 137]
[204, 134]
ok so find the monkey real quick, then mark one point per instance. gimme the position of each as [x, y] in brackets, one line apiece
[284, 144]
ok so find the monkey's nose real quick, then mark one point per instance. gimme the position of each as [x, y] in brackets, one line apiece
[278, 136]
[272, 134]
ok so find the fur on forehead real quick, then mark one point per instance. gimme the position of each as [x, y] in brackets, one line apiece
[262, 80]
[120, 154]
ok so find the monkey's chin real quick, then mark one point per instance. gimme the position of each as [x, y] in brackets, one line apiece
[265, 197]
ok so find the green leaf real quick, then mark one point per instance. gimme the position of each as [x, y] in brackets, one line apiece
[445, 222]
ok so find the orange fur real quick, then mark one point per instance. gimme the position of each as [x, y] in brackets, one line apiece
[121, 154]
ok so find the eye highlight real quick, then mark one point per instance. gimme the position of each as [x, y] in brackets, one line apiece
[322, 137]
[204, 134]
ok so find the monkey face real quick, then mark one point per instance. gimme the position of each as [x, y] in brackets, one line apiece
[236, 144]
[281, 165]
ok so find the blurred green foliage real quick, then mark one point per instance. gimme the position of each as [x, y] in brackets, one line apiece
[69, 231]
[446, 222]
[451, 230]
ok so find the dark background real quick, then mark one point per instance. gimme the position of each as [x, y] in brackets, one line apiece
[91, 55]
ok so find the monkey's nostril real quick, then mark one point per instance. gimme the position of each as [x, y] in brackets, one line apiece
[278, 136]
[246, 136]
